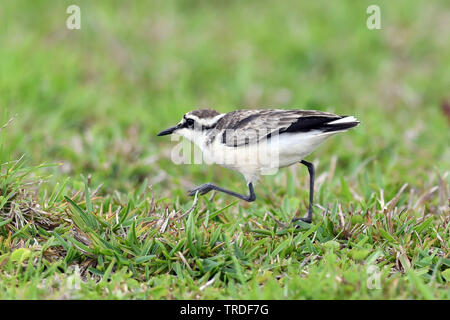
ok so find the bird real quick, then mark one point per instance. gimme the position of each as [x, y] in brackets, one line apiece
[256, 142]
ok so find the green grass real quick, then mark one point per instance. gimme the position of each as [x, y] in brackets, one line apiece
[91, 206]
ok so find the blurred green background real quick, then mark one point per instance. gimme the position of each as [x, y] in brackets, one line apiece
[94, 98]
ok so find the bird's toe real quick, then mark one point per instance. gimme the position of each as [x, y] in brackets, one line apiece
[203, 189]
[306, 220]
[192, 192]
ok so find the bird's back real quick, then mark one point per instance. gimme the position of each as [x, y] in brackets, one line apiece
[242, 127]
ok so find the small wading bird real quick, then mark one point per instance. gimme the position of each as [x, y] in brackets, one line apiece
[255, 142]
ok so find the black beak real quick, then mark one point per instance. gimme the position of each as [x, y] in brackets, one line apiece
[168, 131]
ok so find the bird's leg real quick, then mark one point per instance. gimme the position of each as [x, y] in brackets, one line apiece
[207, 187]
[310, 167]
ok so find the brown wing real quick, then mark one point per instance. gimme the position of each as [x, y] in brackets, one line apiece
[243, 127]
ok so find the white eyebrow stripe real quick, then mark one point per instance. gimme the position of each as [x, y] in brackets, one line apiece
[206, 121]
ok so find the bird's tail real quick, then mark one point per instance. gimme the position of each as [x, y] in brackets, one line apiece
[344, 123]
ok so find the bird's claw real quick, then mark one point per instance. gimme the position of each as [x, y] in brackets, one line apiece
[203, 189]
[306, 220]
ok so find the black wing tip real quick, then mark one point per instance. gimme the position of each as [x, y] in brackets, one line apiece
[343, 123]
[323, 123]
[341, 126]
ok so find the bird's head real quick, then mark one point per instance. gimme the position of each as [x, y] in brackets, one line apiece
[195, 124]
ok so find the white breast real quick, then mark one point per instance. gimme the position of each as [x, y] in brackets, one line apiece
[266, 157]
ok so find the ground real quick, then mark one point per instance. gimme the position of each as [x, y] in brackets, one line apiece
[91, 205]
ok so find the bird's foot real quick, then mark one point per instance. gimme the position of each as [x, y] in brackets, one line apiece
[202, 189]
[307, 220]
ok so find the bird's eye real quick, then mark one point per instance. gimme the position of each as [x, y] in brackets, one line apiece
[190, 122]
